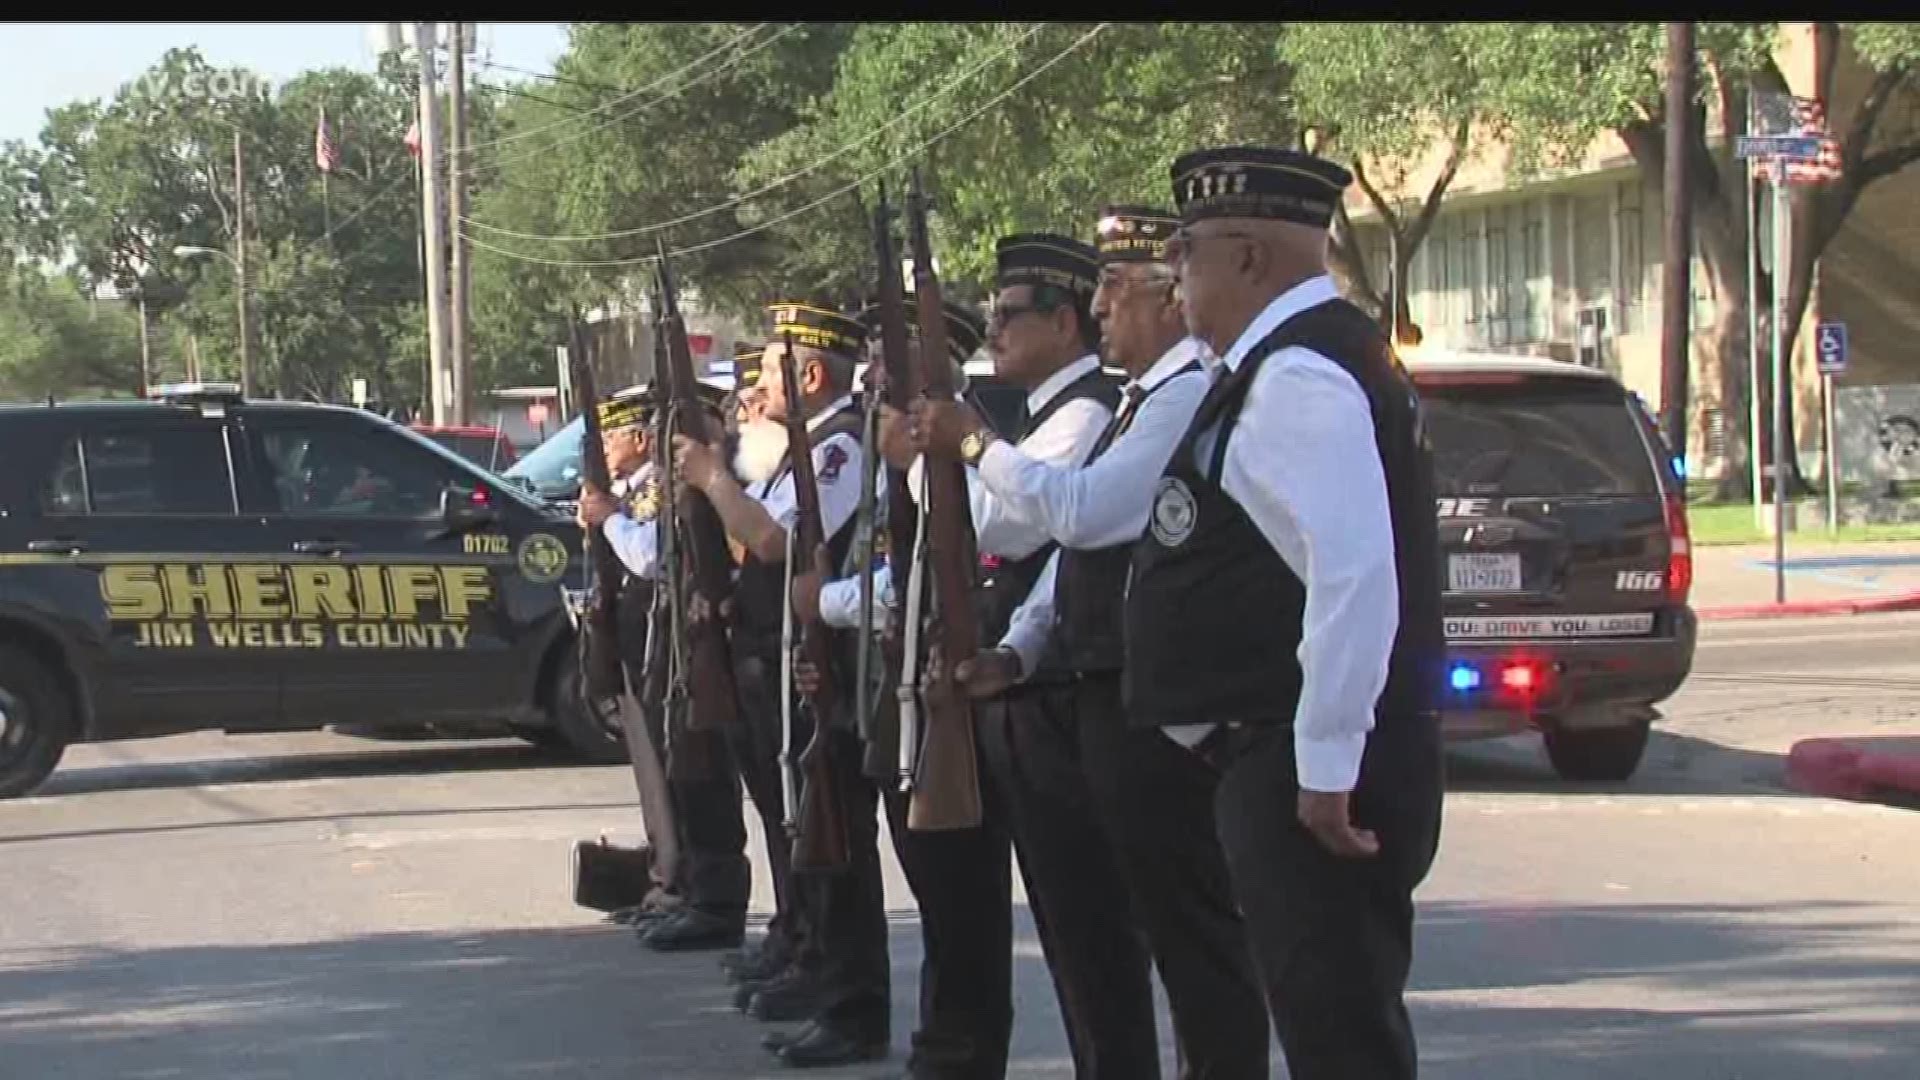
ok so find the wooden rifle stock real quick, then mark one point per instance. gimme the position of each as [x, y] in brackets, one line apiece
[710, 659]
[820, 835]
[946, 786]
[601, 667]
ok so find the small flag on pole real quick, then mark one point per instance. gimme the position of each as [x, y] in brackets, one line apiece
[324, 153]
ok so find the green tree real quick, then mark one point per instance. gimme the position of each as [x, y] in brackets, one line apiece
[1037, 126]
[1377, 95]
[57, 340]
[619, 147]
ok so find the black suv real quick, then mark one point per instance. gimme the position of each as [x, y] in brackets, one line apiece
[199, 562]
[1566, 558]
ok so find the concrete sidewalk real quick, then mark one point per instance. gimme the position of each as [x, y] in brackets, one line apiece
[1737, 580]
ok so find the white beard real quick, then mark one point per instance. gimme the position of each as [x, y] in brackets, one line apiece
[758, 452]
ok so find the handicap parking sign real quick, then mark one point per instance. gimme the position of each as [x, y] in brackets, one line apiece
[1830, 341]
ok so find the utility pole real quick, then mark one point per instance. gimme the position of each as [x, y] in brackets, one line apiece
[146, 355]
[240, 264]
[457, 212]
[1676, 302]
[432, 223]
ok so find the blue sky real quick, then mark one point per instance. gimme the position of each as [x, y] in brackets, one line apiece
[44, 65]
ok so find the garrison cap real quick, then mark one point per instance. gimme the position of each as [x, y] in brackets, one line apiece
[966, 327]
[820, 328]
[628, 408]
[1135, 234]
[1258, 182]
[746, 363]
[1048, 259]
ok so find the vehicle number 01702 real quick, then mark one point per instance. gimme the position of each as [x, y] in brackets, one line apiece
[483, 544]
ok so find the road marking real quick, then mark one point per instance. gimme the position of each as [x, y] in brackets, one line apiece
[1499, 804]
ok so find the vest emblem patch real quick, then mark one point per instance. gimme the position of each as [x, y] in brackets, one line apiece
[830, 468]
[1174, 512]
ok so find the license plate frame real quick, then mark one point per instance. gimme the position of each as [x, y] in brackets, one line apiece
[1484, 572]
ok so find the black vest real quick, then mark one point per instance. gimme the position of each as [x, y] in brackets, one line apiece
[1090, 584]
[1003, 583]
[1213, 613]
[759, 592]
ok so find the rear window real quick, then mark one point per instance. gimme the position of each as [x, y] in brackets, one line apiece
[1535, 438]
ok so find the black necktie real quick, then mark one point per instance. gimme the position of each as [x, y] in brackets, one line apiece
[1128, 409]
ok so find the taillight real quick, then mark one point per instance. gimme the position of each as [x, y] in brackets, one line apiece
[1679, 552]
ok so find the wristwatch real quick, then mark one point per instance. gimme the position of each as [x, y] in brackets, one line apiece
[973, 444]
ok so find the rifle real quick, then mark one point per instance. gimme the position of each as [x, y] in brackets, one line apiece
[709, 659]
[889, 738]
[946, 781]
[820, 831]
[601, 670]
[666, 673]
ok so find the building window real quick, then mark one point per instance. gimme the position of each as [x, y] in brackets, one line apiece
[1630, 291]
[1499, 326]
[1539, 282]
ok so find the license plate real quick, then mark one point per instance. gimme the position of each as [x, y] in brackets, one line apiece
[1483, 573]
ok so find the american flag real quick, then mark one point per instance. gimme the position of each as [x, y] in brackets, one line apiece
[325, 154]
[1785, 114]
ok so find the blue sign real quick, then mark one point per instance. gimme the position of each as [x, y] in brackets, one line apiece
[1789, 147]
[1830, 342]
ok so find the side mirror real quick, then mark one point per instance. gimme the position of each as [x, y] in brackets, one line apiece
[463, 508]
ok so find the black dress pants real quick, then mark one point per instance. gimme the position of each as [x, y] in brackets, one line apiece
[1156, 802]
[1333, 937]
[848, 909]
[754, 744]
[1030, 742]
[962, 880]
[715, 875]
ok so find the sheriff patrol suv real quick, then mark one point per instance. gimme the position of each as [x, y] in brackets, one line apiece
[1566, 557]
[200, 562]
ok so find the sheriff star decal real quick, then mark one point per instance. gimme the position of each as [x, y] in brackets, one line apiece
[830, 468]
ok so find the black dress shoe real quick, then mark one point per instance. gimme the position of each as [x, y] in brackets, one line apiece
[689, 929]
[777, 1041]
[743, 994]
[795, 995]
[820, 1046]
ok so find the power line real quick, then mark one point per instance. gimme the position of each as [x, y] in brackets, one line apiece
[711, 73]
[668, 77]
[829, 197]
[642, 230]
[582, 83]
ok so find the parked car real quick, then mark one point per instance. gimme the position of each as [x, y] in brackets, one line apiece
[487, 447]
[203, 562]
[1567, 562]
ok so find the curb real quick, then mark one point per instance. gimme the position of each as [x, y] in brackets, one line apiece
[1842, 769]
[1902, 602]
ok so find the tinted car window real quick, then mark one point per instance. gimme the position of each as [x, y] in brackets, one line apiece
[157, 471]
[1535, 438]
[324, 471]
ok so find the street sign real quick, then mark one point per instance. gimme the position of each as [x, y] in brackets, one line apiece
[537, 414]
[1787, 147]
[360, 393]
[1830, 341]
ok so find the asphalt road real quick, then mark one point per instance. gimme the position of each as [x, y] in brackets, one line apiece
[315, 906]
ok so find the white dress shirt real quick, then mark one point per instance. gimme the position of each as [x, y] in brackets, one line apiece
[1303, 464]
[837, 469]
[633, 541]
[1108, 501]
[1063, 440]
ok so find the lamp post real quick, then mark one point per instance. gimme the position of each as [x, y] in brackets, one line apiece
[240, 291]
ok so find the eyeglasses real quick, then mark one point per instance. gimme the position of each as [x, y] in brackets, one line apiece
[1181, 244]
[1006, 313]
[1114, 280]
